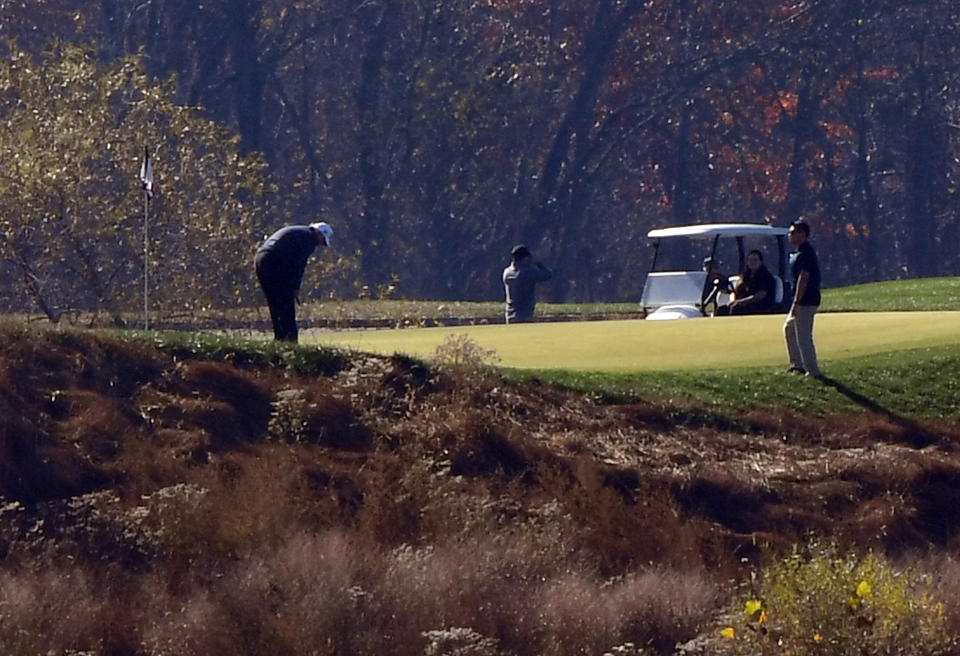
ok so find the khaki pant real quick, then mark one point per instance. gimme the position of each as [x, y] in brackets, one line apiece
[798, 332]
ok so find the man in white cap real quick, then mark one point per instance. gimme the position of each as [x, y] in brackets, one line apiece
[280, 262]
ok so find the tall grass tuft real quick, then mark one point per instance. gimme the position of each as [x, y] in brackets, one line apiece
[49, 611]
[462, 354]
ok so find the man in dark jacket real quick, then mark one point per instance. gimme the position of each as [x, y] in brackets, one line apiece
[280, 263]
[798, 328]
[519, 283]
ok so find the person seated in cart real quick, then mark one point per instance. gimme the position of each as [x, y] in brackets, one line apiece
[670, 292]
[718, 287]
[755, 292]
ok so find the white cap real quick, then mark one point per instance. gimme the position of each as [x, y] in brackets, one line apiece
[324, 229]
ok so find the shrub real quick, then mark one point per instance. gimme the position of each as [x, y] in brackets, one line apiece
[626, 649]
[288, 421]
[826, 603]
[461, 353]
[459, 641]
[176, 519]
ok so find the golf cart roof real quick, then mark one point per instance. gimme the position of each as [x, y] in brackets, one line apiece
[703, 230]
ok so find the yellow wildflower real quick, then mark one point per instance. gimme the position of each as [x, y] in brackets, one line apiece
[729, 633]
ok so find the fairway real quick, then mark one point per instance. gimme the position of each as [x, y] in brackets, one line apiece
[636, 345]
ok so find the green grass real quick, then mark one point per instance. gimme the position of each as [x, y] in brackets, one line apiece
[904, 364]
[895, 295]
[635, 345]
[407, 313]
[911, 383]
[241, 351]
[907, 363]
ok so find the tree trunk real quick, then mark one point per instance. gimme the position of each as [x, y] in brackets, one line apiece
[249, 73]
[921, 166]
[558, 198]
[557, 179]
[834, 205]
[376, 22]
[920, 183]
[681, 179]
[35, 290]
[802, 132]
[863, 187]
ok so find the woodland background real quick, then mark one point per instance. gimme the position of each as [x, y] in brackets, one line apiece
[435, 134]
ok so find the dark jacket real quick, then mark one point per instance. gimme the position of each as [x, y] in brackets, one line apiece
[285, 253]
[519, 284]
[805, 259]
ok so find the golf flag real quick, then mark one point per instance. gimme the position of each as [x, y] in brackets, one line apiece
[146, 174]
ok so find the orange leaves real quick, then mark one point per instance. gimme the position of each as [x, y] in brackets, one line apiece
[883, 74]
[837, 131]
[788, 101]
[783, 104]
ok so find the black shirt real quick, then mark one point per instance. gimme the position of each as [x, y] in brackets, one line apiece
[753, 282]
[288, 250]
[805, 259]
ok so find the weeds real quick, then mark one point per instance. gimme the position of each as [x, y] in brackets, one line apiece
[302, 360]
[288, 421]
[461, 353]
[831, 603]
[459, 641]
[626, 649]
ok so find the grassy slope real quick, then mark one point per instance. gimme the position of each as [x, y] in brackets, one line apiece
[921, 383]
[895, 295]
[904, 364]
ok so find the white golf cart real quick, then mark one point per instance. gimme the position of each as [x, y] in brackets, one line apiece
[678, 285]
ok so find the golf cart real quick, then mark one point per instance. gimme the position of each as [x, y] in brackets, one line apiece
[678, 285]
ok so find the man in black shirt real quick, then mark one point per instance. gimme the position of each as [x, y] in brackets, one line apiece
[280, 263]
[798, 328]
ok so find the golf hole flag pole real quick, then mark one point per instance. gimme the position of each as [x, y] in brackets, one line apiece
[146, 179]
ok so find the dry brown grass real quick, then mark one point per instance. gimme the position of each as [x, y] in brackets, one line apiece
[332, 593]
[154, 505]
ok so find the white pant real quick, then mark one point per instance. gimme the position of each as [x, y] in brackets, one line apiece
[798, 332]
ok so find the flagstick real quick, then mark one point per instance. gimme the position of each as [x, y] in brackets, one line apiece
[146, 179]
[146, 258]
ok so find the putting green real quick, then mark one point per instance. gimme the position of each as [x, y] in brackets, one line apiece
[636, 345]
